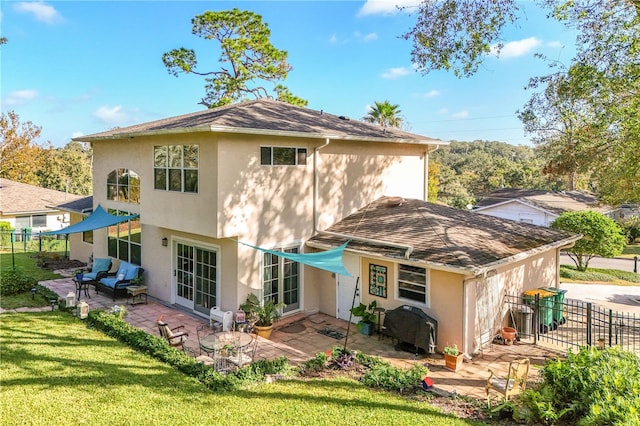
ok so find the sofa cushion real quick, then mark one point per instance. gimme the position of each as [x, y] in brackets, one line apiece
[101, 264]
[112, 282]
[132, 272]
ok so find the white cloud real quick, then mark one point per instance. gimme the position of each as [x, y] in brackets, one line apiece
[111, 115]
[334, 39]
[77, 134]
[443, 110]
[385, 7]
[513, 49]
[555, 44]
[369, 37]
[460, 114]
[431, 94]
[394, 73]
[41, 11]
[20, 97]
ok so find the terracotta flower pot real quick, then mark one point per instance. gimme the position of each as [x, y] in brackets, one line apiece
[453, 362]
[263, 331]
[508, 335]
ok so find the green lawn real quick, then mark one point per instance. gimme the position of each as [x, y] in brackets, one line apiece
[568, 273]
[631, 250]
[27, 261]
[54, 370]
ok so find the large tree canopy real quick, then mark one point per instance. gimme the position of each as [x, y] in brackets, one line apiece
[586, 118]
[246, 48]
[20, 156]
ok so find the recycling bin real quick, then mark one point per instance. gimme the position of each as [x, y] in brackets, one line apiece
[522, 319]
[547, 302]
[558, 305]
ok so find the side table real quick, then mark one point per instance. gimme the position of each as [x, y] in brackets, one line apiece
[81, 285]
[135, 292]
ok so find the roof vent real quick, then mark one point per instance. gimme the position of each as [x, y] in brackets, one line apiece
[394, 201]
[342, 117]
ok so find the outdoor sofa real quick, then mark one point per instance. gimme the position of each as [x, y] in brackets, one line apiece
[116, 283]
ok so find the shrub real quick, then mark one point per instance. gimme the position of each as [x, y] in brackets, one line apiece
[385, 376]
[5, 234]
[14, 281]
[594, 387]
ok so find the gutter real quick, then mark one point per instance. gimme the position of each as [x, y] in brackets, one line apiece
[316, 185]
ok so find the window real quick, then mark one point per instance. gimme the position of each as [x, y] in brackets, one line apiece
[33, 221]
[87, 237]
[175, 168]
[282, 156]
[123, 185]
[124, 239]
[413, 284]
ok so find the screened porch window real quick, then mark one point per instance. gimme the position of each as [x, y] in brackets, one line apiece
[413, 284]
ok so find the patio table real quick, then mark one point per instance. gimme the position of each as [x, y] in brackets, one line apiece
[217, 341]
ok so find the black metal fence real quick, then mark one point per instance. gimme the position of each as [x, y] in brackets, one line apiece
[571, 323]
[34, 243]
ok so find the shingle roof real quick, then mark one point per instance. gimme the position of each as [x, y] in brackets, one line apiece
[17, 197]
[440, 236]
[267, 116]
[551, 201]
[81, 205]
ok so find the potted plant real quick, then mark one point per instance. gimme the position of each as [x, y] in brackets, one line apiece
[262, 315]
[367, 316]
[452, 357]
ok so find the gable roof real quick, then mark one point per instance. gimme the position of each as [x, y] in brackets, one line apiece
[554, 202]
[266, 116]
[17, 197]
[81, 205]
[441, 237]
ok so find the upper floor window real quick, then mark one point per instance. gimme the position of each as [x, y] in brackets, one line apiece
[123, 185]
[282, 156]
[175, 168]
[413, 284]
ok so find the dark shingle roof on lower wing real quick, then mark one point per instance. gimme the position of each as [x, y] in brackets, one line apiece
[439, 235]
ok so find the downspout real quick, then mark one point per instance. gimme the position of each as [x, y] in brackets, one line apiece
[316, 185]
[425, 192]
[465, 312]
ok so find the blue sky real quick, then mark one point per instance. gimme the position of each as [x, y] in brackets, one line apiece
[81, 67]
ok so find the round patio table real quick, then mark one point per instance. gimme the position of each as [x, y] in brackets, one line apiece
[233, 339]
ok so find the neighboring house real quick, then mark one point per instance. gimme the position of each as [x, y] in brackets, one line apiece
[626, 212]
[537, 207]
[275, 175]
[80, 244]
[32, 207]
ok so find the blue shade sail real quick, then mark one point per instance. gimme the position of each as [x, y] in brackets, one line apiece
[96, 220]
[329, 260]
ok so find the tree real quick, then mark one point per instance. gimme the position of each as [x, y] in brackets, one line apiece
[601, 236]
[245, 46]
[604, 79]
[20, 156]
[384, 114]
[67, 169]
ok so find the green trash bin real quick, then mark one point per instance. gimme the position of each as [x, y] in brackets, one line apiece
[547, 302]
[558, 305]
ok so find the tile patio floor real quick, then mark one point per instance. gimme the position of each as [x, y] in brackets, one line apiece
[297, 338]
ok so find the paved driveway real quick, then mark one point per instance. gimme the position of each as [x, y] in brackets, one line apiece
[616, 297]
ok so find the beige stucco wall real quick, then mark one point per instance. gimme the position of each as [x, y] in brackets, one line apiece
[78, 249]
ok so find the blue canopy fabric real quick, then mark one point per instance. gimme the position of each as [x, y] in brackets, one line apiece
[96, 220]
[329, 260]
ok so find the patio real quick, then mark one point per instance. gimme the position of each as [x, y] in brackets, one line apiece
[297, 338]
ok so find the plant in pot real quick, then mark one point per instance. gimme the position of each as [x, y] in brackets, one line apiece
[262, 315]
[452, 357]
[367, 316]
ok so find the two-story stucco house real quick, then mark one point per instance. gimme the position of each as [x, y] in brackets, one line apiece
[275, 175]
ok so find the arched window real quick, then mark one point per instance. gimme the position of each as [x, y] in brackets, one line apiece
[123, 185]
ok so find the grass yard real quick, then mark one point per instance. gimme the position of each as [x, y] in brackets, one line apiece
[27, 261]
[568, 273]
[54, 370]
[631, 250]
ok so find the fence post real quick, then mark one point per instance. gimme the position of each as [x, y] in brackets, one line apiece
[536, 328]
[589, 325]
[610, 325]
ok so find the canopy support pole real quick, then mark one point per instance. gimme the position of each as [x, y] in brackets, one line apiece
[353, 301]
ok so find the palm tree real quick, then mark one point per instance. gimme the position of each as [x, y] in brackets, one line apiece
[385, 114]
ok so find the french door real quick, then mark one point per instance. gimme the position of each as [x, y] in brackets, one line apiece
[196, 277]
[281, 279]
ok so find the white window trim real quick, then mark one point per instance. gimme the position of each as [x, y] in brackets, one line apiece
[427, 286]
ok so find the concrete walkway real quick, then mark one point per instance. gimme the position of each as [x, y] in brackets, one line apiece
[298, 339]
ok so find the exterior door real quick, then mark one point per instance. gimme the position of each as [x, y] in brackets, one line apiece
[196, 276]
[347, 285]
[281, 279]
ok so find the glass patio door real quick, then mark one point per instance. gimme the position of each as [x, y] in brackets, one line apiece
[281, 279]
[196, 276]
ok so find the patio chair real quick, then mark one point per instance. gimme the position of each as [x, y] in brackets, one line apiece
[247, 354]
[173, 338]
[99, 269]
[201, 331]
[513, 384]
